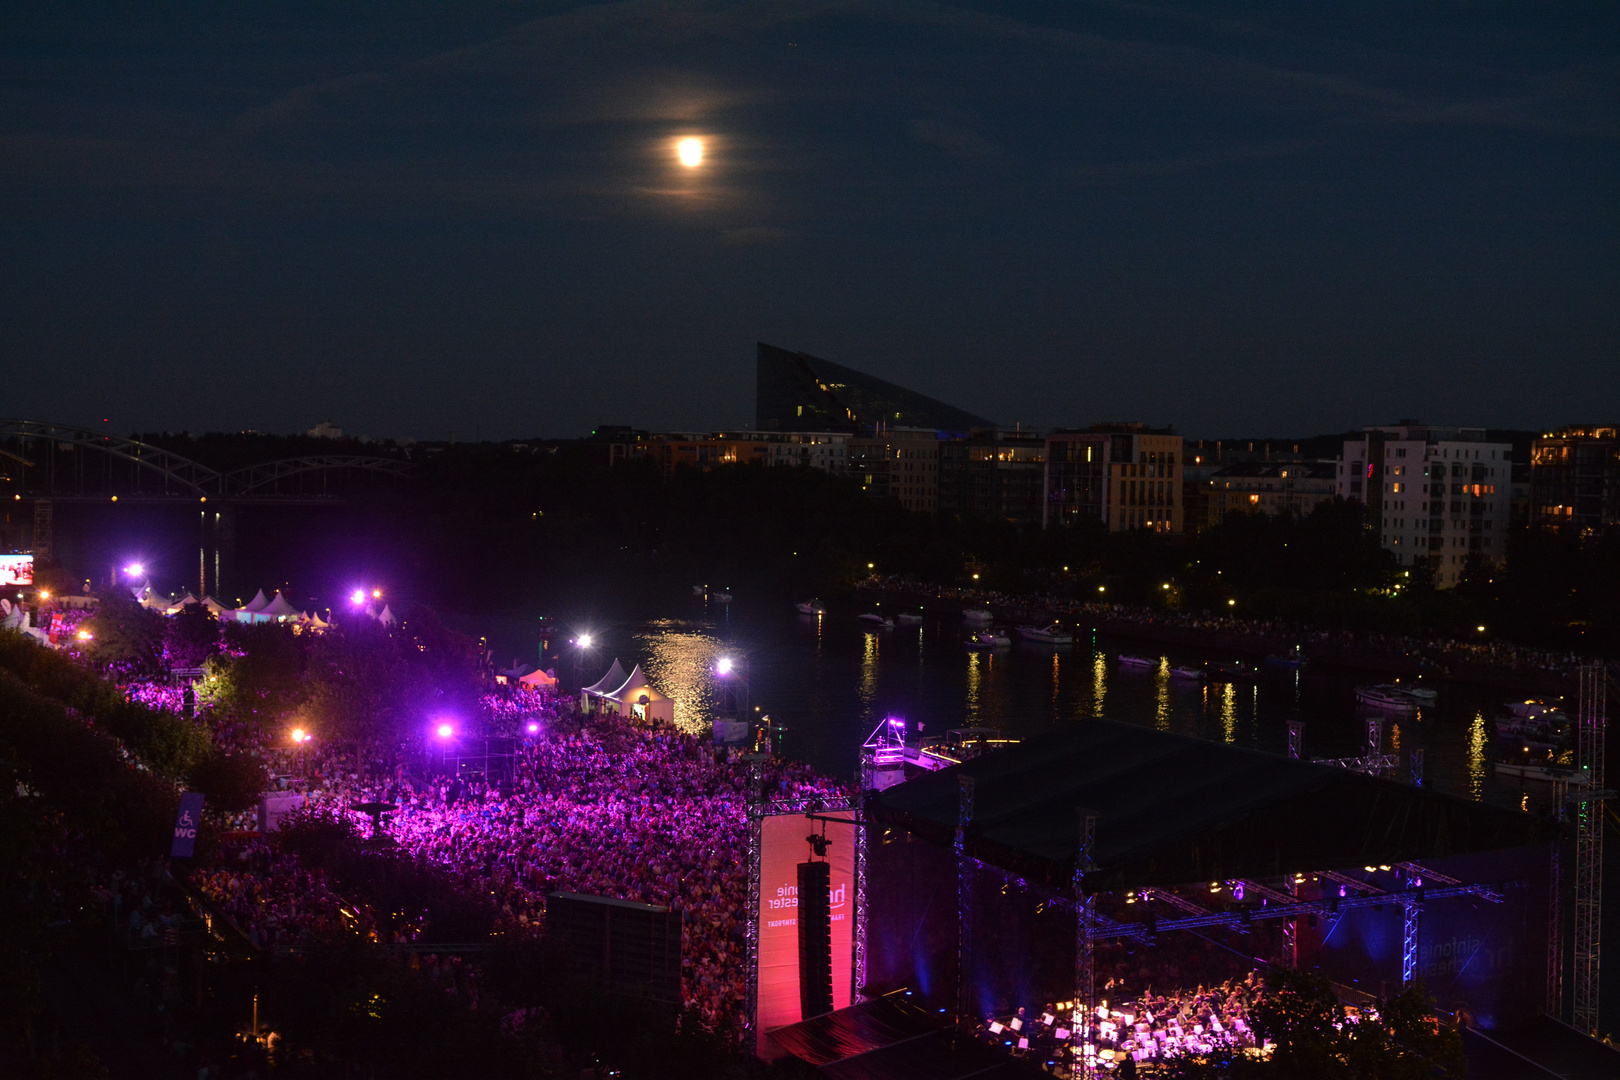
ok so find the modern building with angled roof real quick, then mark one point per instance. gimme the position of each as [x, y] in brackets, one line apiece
[799, 392]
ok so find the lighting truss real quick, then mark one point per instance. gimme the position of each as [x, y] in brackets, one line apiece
[1589, 847]
[964, 905]
[1235, 919]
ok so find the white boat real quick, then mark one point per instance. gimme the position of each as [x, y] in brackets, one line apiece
[978, 615]
[875, 619]
[810, 607]
[989, 639]
[1549, 723]
[1533, 772]
[910, 618]
[1387, 697]
[1421, 694]
[1047, 635]
[1137, 661]
[1186, 673]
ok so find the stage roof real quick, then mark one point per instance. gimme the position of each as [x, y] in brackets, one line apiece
[1173, 810]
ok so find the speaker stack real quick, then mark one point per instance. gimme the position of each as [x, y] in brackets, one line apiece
[815, 939]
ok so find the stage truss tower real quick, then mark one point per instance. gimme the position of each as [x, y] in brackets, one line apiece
[1589, 811]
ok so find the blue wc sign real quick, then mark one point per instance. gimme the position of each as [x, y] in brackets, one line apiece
[185, 825]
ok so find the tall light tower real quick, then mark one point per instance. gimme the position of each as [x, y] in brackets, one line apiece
[1589, 811]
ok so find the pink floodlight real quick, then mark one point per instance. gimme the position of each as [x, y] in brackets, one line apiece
[444, 731]
[724, 666]
[534, 729]
[357, 597]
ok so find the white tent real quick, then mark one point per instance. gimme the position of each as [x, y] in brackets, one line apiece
[180, 604]
[257, 604]
[538, 680]
[215, 606]
[611, 681]
[279, 608]
[636, 697]
[387, 617]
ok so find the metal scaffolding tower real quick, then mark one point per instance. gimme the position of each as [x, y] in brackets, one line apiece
[1589, 812]
[1555, 906]
[1085, 989]
[966, 1010]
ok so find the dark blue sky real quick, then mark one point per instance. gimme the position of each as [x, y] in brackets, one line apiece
[467, 217]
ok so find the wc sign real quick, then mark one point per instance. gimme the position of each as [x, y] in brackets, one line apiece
[185, 825]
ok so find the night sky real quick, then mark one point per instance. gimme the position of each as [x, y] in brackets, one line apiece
[425, 219]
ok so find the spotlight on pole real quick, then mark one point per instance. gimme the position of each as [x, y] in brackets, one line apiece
[723, 667]
[584, 641]
[444, 731]
[357, 597]
[135, 569]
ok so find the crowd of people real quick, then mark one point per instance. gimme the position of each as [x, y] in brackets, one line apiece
[1435, 650]
[274, 901]
[595, 805]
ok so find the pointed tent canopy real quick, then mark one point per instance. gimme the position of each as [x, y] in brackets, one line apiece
[631, 690]
[609, 682]
[387, 617]
[214, 605]
[257, 604]
[316, 621]
[279, 608]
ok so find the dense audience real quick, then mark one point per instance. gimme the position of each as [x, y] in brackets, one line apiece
[595, 806]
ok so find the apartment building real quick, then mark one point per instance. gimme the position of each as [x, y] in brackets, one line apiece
[1124, 475]
[1436, 496]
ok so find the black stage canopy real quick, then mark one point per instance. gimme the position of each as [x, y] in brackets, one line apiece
[888, 1038]
[1173, 810]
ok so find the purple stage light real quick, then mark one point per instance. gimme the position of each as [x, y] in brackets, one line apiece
[357, 597]
[723, 667]
[444, 731]
[534, 729]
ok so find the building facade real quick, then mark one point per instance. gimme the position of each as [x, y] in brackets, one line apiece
[1575, 479]
[1435, 496]
[824, 450]
[1124, 475]
[1294, 488]
[899, 463]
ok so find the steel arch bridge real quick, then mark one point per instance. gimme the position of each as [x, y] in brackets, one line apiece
[57, 461]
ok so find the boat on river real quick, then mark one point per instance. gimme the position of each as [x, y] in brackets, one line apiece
[1229, 671]
[1387, 697]
[874, 619]
[910, 618]
[989, 639]
[1140, 663]
[811, 607]
[1181, 671]
[1535, 771]
[979, 615]
[1053, 634]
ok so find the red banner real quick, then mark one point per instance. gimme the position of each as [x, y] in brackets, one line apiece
[782, 848]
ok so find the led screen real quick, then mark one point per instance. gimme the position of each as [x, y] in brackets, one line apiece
[782, 849]
[16, 570]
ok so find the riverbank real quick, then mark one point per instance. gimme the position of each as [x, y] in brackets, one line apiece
[1492, 663]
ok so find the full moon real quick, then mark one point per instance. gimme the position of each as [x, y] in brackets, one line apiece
[690, 152]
